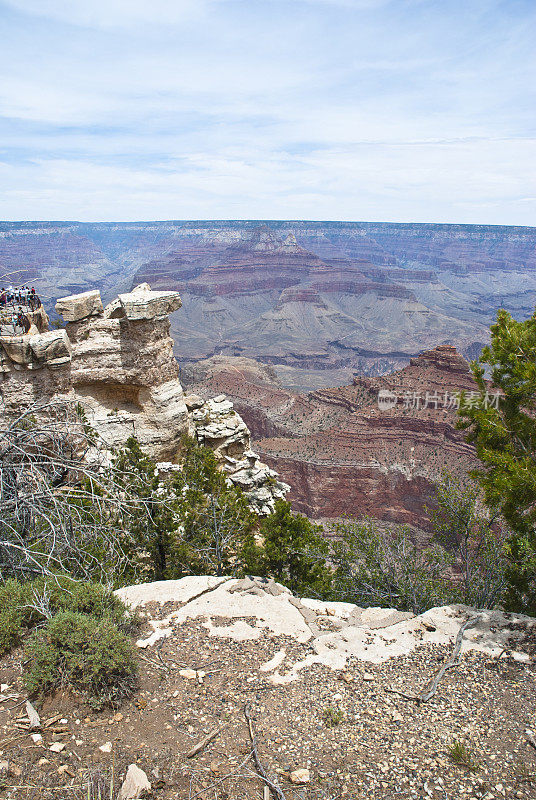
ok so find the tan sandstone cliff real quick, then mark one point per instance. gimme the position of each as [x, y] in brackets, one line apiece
[118, 363]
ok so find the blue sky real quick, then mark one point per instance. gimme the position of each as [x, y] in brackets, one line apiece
[396, 110]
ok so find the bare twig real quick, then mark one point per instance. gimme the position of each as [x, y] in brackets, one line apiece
[221, 780]
[275, 789]
[431, 688]
[206, 740]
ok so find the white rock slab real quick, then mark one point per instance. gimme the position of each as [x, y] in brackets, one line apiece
[75, 307]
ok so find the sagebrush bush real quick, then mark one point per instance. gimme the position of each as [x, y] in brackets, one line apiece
[24, 605]
[92, 599]
[11, 630]
[78, 650]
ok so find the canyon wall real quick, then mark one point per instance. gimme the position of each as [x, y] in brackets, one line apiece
[311, 297]
[343, 450]
[118, 363]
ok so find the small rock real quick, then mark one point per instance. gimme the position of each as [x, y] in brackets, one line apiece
[37, 738]
[106, 748]
[33, 716]
[65, 770]
[57, 747]
[42, 762]
[300, 776]
[135, 784]
[4, 687]
[368, 676]
[191, 674]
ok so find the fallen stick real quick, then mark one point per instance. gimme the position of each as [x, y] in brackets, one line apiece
[431, 688]
[153, 664]
[206, 740]
[52, 720]
[221, 780]
[275, 790]
[429, 692]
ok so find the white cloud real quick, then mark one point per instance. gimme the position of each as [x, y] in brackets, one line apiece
[418, 110]
[473, 181]
[111, 13]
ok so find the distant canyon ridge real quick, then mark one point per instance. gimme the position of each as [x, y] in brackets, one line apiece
[318, 301]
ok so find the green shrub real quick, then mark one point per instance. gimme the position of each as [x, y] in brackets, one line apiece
[92, 599]
[11, 630]
[90, 655]
[461, 755]
[332, 716]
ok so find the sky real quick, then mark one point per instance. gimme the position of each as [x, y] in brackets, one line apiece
[380, 110]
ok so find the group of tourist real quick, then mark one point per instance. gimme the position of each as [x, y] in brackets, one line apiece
[20, 295]
[15, 302]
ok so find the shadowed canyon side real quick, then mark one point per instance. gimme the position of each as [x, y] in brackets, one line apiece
[339, 450]
[315, 299]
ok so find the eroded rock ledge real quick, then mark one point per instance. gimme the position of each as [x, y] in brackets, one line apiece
[118, 363]
[244, 610]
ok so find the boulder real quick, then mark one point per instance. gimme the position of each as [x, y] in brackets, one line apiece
[135, 784]
[17, 349]
[114, 310]
[51, 345]
[78, 306]
[143, 303]
[193, 401]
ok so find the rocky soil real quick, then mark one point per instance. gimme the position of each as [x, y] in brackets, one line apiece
[335, 730]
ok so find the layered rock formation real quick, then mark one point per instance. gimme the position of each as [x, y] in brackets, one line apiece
[374, 448]
[309, 296]
[118, 363]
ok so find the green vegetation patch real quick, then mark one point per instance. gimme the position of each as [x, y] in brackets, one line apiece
[78, 650]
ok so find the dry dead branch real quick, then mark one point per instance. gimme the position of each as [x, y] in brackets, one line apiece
[65, 506]
[203, 743]
[275, 789]
[431, 688]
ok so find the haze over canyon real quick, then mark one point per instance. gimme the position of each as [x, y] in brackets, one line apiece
[318, 300]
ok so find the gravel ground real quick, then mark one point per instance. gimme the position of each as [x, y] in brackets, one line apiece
[356, 739]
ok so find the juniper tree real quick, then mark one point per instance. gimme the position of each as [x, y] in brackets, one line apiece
[505, 441]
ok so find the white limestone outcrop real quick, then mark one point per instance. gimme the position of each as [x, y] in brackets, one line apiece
[218, 426]
[244, 610]
[52, 347]
[142, 303]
